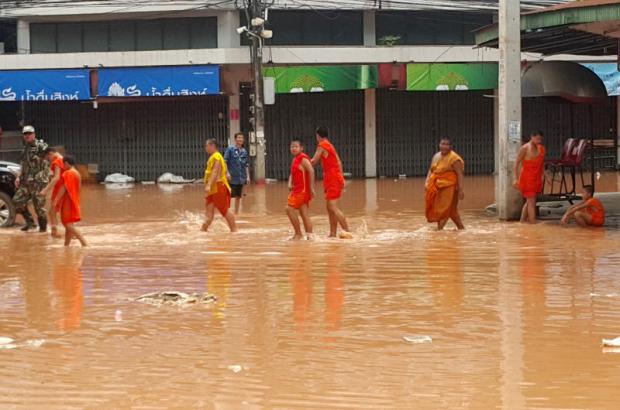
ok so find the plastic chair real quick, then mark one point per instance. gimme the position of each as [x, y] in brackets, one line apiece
[558, 166]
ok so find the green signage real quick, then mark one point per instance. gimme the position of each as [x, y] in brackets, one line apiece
[304, 79]
[451, 77]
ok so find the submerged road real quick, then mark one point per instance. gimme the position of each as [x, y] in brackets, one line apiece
[515, 314]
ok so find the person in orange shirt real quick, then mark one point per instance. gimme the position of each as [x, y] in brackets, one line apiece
[217, 189]
[589, 212]
[68, 201]
[333, 182]
[57, 168]
[531, 157]
[444, 186]
[301, 185]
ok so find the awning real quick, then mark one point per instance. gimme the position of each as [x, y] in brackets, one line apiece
[563, 79]
[45, 85]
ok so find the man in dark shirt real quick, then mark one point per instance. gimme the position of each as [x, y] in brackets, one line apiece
[238, 164]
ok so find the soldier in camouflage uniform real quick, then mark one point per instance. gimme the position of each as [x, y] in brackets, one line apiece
[35, 172]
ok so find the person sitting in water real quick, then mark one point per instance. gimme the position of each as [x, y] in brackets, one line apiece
[301, 185]
[589, 212]
[444, 186]
[217, 190]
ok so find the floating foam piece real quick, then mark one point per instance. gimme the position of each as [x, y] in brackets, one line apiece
[418, 339]
[35, 342]
[5, 340]
[612, 342]
[118, 179]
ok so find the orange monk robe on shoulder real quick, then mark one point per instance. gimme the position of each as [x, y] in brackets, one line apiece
[530, 180]
[69, 205]
[441, 195]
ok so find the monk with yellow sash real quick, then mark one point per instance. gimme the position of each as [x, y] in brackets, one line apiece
[444, 186]
[217, 190]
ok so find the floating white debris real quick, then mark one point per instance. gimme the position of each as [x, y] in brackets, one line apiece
[235, 368]
[5, 340]
[118, 179]
[169, 178]
[148, 182]
[8, 346]
[612, 342]
[118, 315]
[418, 339]
[270, 181]
[402, 176]
[35, 342]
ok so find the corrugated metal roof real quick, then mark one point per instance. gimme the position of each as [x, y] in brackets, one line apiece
[564, 29]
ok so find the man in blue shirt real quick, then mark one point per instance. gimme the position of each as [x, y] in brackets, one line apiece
[238, 164]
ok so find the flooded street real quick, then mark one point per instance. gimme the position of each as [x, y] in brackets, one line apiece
[516, 313]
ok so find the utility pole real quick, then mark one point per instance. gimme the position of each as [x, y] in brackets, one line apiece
[255, 16]
[508, 199]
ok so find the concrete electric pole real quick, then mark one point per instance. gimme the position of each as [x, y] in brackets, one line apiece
[255, 16]
[509, 200]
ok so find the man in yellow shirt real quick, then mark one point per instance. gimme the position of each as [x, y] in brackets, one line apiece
[217, 190]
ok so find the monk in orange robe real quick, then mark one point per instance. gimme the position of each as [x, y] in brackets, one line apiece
[333, 182]
[589, 212]
[68, 201]
[531, 157]
[57, 168]
[444, 186]
[217, 189]
[301, 185]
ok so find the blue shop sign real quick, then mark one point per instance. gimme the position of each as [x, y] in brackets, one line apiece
[608, 73]
[159, 81]
[45, 85]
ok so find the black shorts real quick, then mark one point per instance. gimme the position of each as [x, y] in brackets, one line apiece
[236, 191]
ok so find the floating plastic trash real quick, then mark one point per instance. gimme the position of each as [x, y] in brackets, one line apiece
[418, 339]
[270, 181]
[612, 342]
[118, 179]
[169, 178]
[175, 298]
[118, 316]
[402, 176]
[5, 340]
[35, 342]
[8, 346]
[235, 368]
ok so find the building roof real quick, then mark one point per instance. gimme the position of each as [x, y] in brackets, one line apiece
[24, 8]
[587, 27]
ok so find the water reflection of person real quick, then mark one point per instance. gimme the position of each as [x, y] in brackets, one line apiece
[303, 289]
[218, 283]
[301, 284]
[67, 276]
[334, 288]
[444, 261]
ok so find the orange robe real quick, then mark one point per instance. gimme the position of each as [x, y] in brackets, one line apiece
[333, 180]
[69, 205]
[530, 180]
[219, 195]
[301, 193]
[441, 196]
[596, 210]
[58, 163]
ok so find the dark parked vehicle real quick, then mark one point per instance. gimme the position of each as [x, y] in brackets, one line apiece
[8, 173]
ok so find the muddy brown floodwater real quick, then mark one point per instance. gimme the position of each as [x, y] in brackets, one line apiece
[516, 313]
